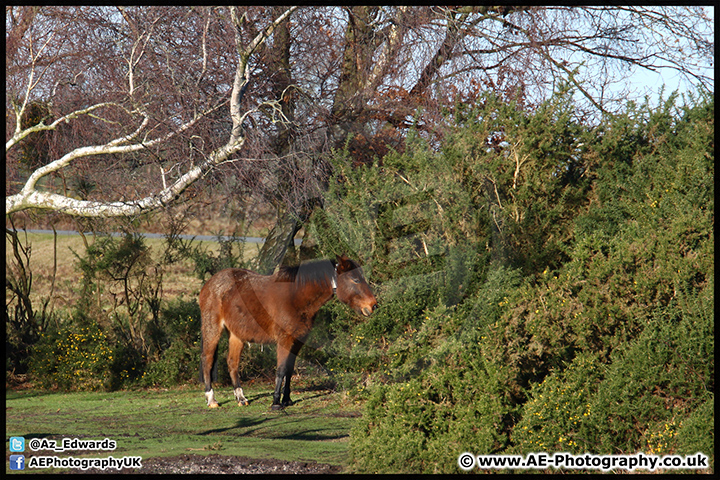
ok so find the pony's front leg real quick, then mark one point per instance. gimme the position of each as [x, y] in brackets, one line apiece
[285, 367]
[290, 370]
[276, 405]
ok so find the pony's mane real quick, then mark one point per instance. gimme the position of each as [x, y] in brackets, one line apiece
[320, 272]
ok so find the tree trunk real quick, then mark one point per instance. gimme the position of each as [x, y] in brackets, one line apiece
[282, 236]
[277, 243]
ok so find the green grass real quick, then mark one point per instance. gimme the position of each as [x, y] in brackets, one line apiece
[176, 421]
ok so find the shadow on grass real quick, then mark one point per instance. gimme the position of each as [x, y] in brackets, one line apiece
[261, 420]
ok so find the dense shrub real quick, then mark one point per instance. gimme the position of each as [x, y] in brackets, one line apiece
[74, 357]
[416, 229]
[556, 416]
[178, 334]
[605, 343]
[654, 383]
[441, 391]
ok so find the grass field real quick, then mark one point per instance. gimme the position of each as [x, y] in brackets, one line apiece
[178, 278]
[176, 421]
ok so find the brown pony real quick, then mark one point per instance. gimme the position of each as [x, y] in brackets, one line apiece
[278, 308]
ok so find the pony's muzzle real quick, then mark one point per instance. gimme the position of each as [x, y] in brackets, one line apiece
[367, 311]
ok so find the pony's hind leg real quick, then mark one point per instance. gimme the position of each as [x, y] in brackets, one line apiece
[208, 358]
[235, 348]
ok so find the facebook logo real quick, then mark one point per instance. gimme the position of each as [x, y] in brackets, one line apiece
[17, 462]
[17, 444]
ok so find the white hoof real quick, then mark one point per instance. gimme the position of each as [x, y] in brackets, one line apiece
[211, 403]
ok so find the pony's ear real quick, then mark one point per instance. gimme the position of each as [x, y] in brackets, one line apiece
[343, 263]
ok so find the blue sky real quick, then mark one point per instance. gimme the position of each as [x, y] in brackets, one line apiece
[645, 80]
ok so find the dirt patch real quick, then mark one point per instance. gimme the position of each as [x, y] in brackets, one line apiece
[194, 464]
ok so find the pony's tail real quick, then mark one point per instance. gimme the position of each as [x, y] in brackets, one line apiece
[213, 371]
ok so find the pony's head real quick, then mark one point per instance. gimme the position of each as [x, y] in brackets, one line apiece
[352, 289]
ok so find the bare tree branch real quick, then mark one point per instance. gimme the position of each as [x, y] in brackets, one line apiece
[242, 74]
[31, 197]
[22, 133]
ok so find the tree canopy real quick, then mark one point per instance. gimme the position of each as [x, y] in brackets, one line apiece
[116, 111]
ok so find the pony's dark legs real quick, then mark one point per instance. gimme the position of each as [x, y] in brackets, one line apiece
[285, 369]
[286, 363]
[235, 348]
